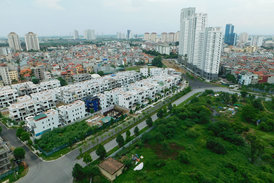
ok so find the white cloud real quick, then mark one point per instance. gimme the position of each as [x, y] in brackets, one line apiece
[52, 4]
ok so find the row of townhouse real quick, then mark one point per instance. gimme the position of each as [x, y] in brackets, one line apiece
[32, 105]
[92, 87]
[9, 94]
[156, 71]
[139, 92]
[28, 88]
[47, 99]
[45, 121]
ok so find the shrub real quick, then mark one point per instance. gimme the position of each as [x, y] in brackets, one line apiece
[267, 126]
[192, 133]
[183, 157]
[215, 146]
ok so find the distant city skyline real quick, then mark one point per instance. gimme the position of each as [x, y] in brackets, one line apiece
[61, 18]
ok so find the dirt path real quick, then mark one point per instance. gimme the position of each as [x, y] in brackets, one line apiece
[172, 64]
[266, 108]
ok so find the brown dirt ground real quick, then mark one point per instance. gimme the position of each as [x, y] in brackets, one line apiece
[173, 65]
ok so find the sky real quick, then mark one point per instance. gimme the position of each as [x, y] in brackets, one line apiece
[62, 17]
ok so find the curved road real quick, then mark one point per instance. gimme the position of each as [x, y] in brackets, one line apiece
[59, 170]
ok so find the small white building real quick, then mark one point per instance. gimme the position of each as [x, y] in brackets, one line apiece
[72, 112]
[7, 97]
[248, 78]
[24, 107]
[144, 72]
[43, 122]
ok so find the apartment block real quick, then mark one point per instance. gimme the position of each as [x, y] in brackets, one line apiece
[72, 112]
[43, 122]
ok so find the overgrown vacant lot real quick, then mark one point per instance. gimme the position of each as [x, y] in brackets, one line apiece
[209, 140]
[64, 136]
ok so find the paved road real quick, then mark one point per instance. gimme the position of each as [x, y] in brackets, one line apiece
[9, 135]
[59, 170]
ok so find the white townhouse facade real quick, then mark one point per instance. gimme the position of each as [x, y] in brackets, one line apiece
[46, 99]
[28, 88]
[79, 90]
[140, 92]
[144, 72]
[24, 107]
[7, 96]
[43, 122]
[72, 112]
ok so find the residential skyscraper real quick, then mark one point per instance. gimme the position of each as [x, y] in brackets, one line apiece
[128, 34]
[32, 42]
[14, 41]
[186, 30]
[177, 36]
[164, 37]
[212, 52]
[153, 37]
[76, 34]
[230, 36]
[199, 46]
[90, 34]
[243, 38]
[171, 37]
[257, 41]
[146, 36]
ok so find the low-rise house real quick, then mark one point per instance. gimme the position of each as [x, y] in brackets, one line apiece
[4, 157]
[72, 112]
[43, 122]
[111, 168]
[7, 97]
[24, 107]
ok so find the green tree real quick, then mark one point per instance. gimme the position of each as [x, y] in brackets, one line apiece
[120, 140]
[87, 158]
[0, 130]
[19, 132]
[35, 80]
[62, 81]
[256, 147]
[78, 172]
[25, 136]
[231, 78]
[215, 146]
[136, 131]
[234, 98]
[19, 153]
[101, 73]
[101, 151]
[127, 136]
[183, 157]
[244, 94]
[157, 61]
[29, 142]
[149, 121]
[160, 113]
[170, 107]
[249, 114]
